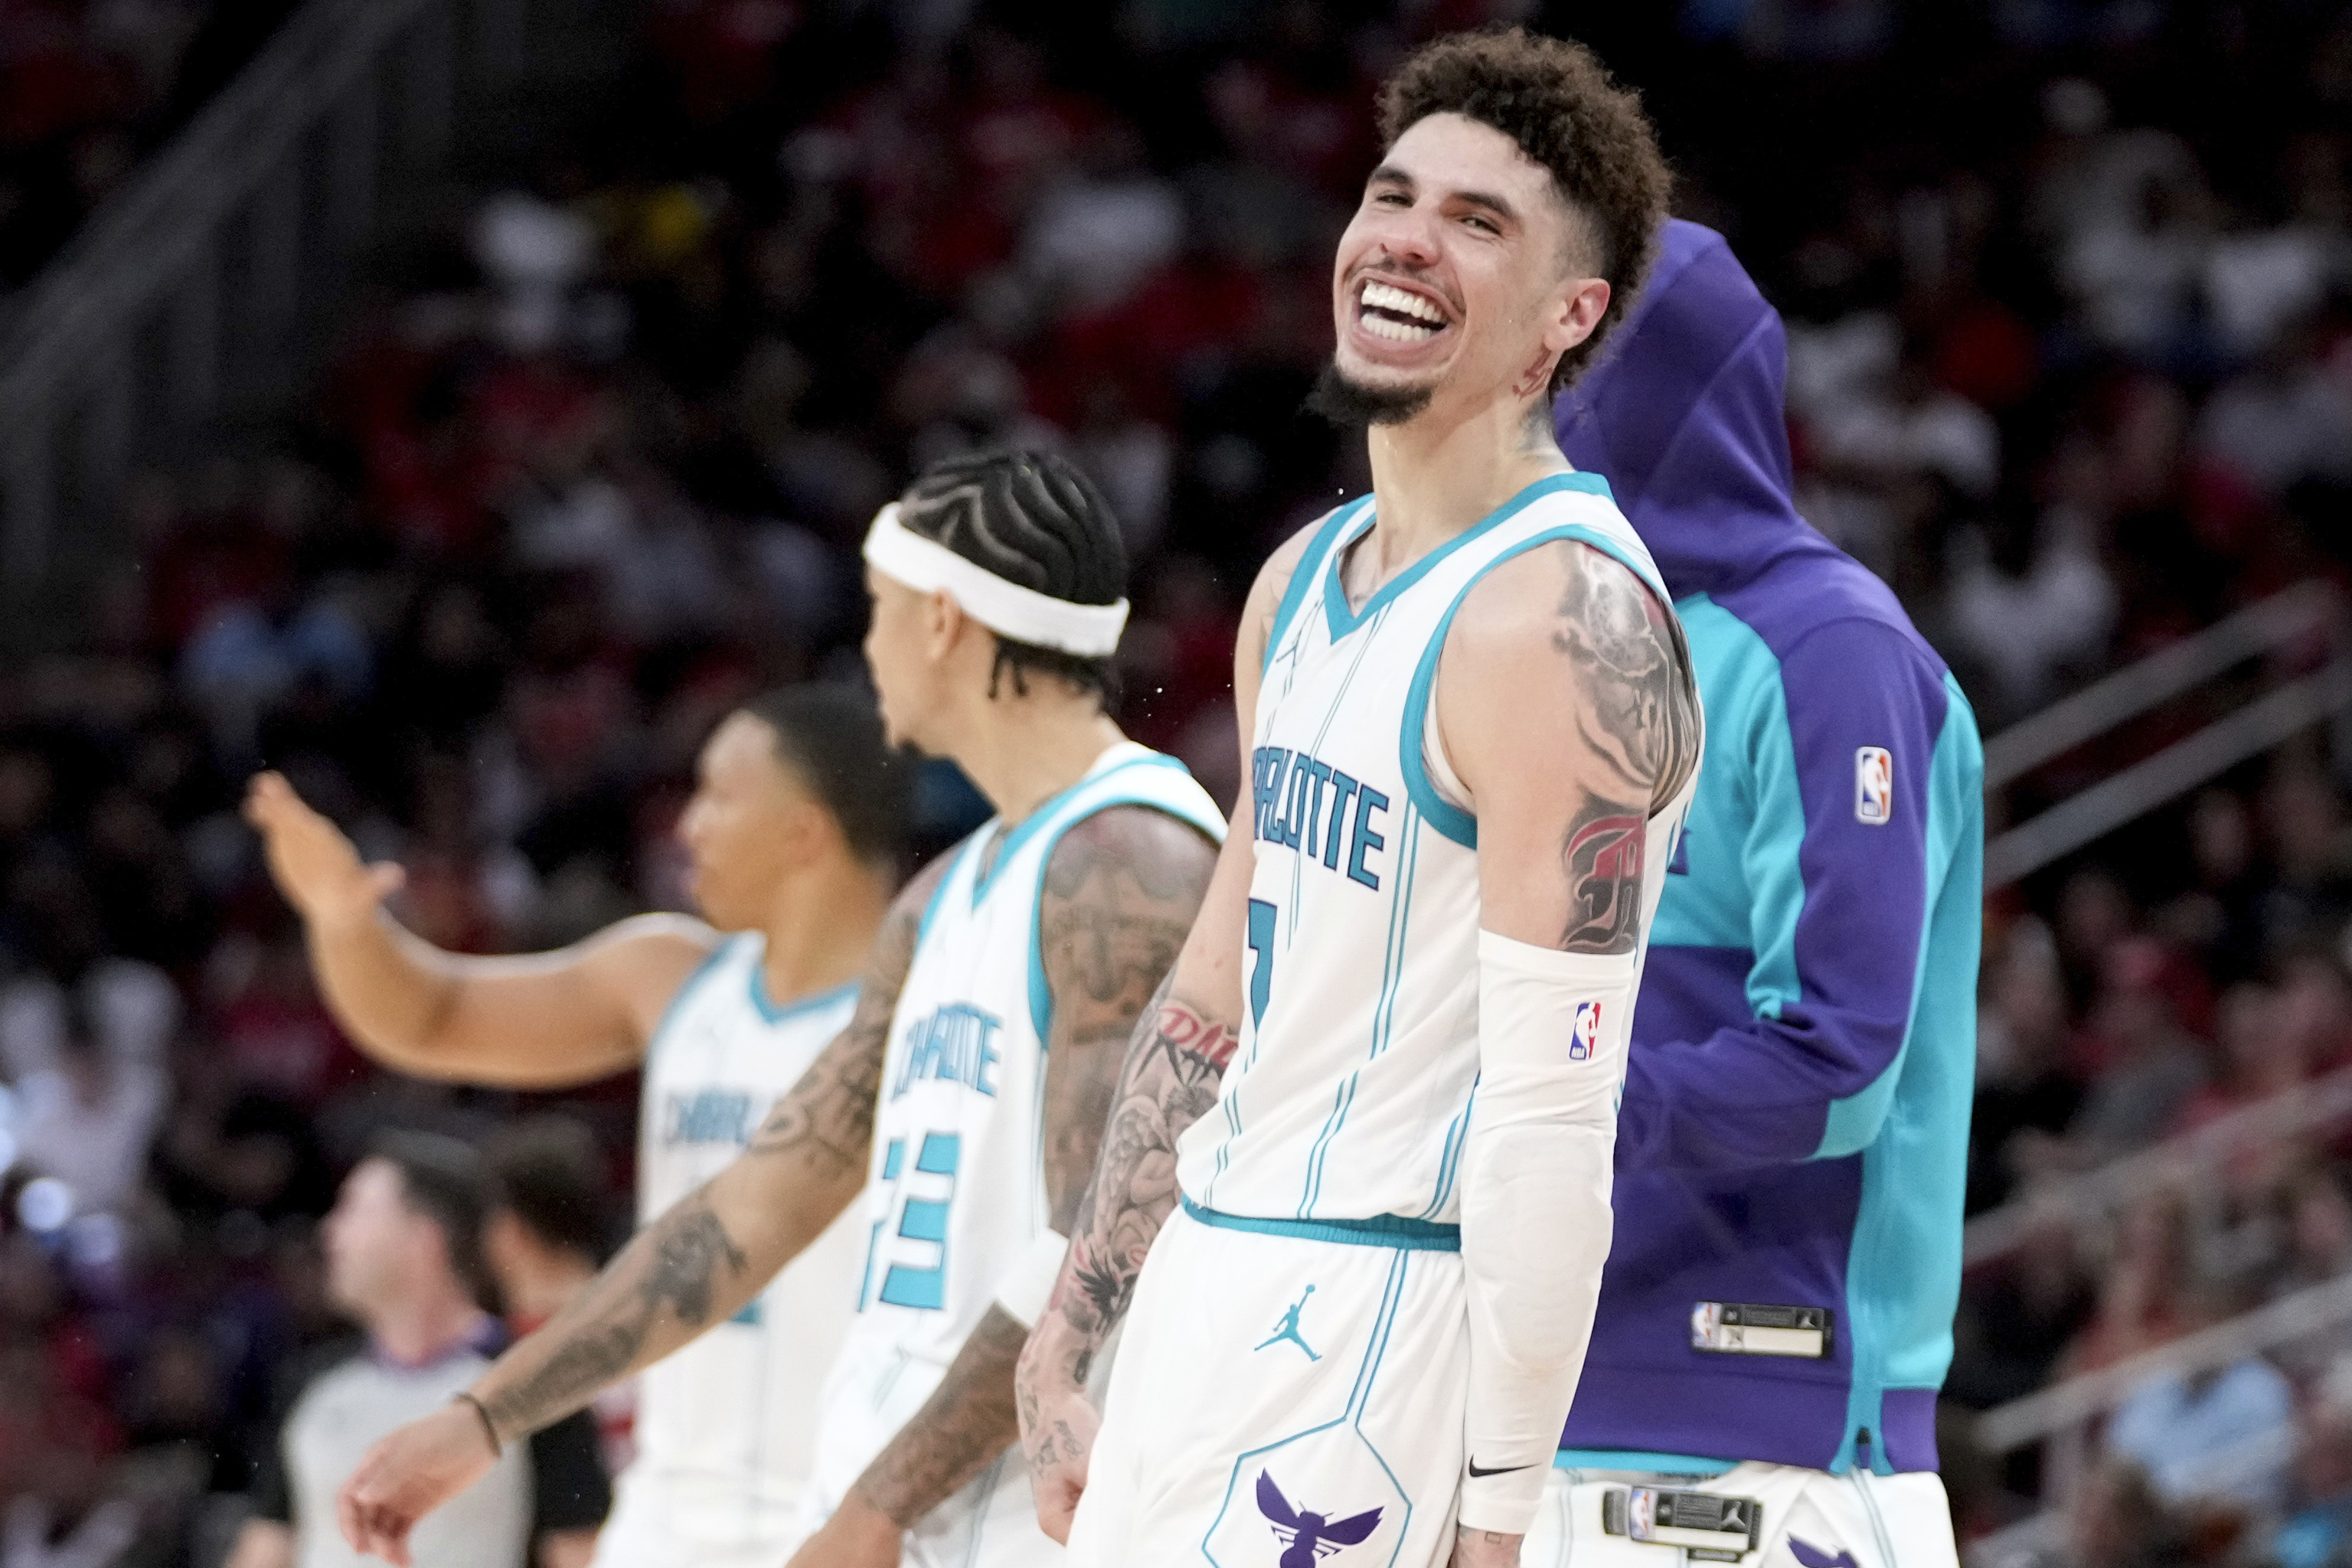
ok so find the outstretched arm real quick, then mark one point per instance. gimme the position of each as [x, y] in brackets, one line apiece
[1175, 1061]
[1568, 709]
[694, 1266]
[1120, 892]
[537, 1022]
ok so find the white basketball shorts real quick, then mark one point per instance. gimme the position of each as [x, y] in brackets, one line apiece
[1283, 1393]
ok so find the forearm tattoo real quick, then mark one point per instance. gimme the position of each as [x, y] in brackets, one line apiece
[1174, 1067]
[681, 1264]
[967, 1421]
[676, 1264]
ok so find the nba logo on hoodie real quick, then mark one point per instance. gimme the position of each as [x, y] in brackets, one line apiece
[1873, 786]
[1584, 1038]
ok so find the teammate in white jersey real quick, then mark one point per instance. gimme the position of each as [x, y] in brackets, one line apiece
[1003, 988]
[795, 835]
[1472, 734]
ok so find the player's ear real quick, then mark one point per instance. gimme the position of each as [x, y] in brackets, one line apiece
[1575, 309]
[944, 620]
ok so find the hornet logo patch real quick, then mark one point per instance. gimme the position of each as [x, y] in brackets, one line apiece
[1308, 1537]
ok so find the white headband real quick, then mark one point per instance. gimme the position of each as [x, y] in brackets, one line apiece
[1008, 609]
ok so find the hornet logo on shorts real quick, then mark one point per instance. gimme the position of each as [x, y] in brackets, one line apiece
[1873, 786]
[1584, 1038]
[1308, 1538]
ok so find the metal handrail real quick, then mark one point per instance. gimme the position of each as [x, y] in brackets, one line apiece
[2047, 1412]
[360, 87]
[2222, 745]
[2075, 1199]
[139, 241]
[2161, 675]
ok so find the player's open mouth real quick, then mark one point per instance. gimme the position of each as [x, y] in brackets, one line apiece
[1398, 314]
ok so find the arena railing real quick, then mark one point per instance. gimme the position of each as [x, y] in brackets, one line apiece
[2307, 610]
[187, 287]
[2076, 1201]
[2064, 1416]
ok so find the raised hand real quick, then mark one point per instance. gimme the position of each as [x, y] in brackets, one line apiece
[409, 1475]
[315, 865]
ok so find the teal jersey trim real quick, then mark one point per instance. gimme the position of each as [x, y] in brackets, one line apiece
[1344, 619]
[1047, 813]
[1442, 814]
[1302, 581]
[1640, 1462]
[970, 845]
[777, 1012]
[684, 989]
[1389, 1231]
[1898, 1298]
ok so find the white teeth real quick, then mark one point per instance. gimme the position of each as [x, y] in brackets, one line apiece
[1390, 298]
[1403, 332]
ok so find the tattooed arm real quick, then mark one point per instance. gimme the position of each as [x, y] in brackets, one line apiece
[694, 1266]
[1120, 892]
[1174, 1063]
[1566, 707]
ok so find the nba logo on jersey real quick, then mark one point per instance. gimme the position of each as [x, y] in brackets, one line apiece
[1585, 1037]
[1873, 786]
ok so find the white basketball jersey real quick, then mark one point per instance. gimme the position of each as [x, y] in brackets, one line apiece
[957, 1192]
[1350, 1095]
[725, 1427]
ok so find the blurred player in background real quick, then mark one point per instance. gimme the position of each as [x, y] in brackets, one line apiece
[1791, 1143]
[795, 833]
[966, 1100]
[1472, 733]
[405, 1262]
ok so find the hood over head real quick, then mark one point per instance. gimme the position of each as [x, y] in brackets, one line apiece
[1682, 417]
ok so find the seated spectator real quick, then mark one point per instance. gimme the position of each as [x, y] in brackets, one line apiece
[2148, 1065]
[2220, 1433]
[2141, 1294]
[89, 1119]
[405, 1259]
[2318, 1534]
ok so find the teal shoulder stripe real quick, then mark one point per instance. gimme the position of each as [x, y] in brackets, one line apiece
[1302, 581]
[1444, 814]
[684, 989]
[970, 845]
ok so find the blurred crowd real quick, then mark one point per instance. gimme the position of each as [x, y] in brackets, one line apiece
[2069, 291]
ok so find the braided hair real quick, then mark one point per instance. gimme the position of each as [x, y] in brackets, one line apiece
[1031, 519]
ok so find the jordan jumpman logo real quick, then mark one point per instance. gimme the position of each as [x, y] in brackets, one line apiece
[1288, 1328]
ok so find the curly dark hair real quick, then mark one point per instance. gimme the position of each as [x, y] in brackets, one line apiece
[1559, 102]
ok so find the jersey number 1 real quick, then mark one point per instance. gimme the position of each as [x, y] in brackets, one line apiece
[923, 1220]
[1261, 942]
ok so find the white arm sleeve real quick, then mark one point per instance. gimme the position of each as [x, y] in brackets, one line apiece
[1552, 1033]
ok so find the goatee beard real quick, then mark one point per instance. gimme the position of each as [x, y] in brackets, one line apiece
[1352, 406]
